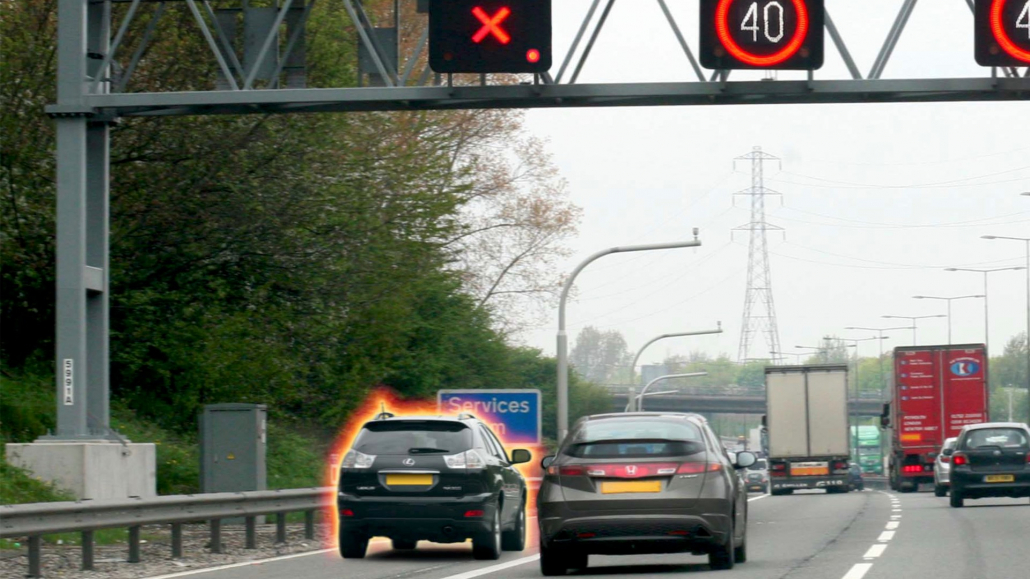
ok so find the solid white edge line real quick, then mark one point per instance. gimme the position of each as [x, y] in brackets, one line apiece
[237, 565]
[759, 497]
[858, 571]
[493, 568]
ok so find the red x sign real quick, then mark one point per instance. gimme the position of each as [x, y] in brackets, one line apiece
[491, 25]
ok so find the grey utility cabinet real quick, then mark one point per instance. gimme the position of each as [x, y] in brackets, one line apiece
[232, 448]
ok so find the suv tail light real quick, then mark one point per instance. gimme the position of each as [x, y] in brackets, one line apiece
[355, 459]
[467, 459]
[959, 459]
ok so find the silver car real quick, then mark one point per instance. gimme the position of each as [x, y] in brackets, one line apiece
[942, 469]
[641, 483]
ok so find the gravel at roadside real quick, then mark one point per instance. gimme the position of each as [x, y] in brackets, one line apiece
[65, 561]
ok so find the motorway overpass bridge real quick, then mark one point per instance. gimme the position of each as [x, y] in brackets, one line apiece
[729, 404]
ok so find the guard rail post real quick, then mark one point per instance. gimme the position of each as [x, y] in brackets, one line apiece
[34, 556]
[176, 540]
[216, 535]
[134, 556]
[87, 550]
[309, 524]
[280, 528]
[250, 524]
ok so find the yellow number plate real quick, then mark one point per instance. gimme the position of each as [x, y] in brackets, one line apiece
[810, 471]
[613, 487]
[1000, 478]
[409, 479]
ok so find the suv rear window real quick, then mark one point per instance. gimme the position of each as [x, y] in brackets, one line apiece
[996, 437]
[413, 437]
[635, 438]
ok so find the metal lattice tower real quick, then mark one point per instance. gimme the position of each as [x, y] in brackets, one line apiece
[759, 310]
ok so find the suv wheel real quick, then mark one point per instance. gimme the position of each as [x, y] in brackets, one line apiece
[956, 499]
[403, 544]
[515, 539]
[352, 545]
[723, 555]
[488, 545]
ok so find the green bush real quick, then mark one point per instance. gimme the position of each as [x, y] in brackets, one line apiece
[27, 408]
[178, 462]
[293, 460]
[19, 486]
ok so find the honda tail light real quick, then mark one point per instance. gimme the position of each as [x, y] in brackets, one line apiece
[467, 459]
[698, 467]
[355, 459]
[959, 459]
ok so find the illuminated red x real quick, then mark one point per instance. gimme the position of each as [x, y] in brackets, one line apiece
[491, 25]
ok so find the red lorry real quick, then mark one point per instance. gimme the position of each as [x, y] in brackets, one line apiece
[936, 391]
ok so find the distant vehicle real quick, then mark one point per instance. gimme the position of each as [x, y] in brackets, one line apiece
[807, 422]
[855, 480]
[867, 442]
[640, 483]
[991, 460]
[760, 464]
[942, 468]
[438, 479]
[937, 391]
[757, 481]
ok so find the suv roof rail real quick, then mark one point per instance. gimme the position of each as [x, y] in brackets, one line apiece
[466, 416]
[384, 415]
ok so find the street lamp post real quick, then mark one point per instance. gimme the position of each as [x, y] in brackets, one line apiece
[987, 326]
[633, 366]
[1025, 240]
[637, 402]
[949, 300]
[563, 341]
[913, 320]
[883, 381]
[797, 360]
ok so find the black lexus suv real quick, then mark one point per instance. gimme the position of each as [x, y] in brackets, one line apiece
[438, 479]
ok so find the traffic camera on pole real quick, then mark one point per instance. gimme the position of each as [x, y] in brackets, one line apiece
[486, 36]
[1003, 32]
[762, 34]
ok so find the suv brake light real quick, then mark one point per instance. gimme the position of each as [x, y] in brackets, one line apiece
[959, 459]
[467, 459]
[355, 459]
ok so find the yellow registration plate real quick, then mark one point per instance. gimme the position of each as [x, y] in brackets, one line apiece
[409, 479]
[991, 478]
[616, 487]
[810, 471]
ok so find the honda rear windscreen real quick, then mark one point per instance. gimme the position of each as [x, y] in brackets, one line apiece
[635, 438]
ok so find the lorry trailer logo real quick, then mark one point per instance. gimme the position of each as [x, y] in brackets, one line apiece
[965, 367]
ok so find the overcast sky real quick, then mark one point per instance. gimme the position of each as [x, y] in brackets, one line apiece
[877, 199]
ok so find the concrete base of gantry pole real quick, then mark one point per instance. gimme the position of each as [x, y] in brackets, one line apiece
[90, 469]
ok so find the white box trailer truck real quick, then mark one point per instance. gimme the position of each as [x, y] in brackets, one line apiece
[807, 422]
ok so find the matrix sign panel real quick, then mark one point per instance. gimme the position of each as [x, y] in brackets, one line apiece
[1003, 32]
[762, 34]
[490, 35]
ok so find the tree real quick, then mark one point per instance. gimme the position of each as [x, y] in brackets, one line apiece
[601, 357]
[1008, 373]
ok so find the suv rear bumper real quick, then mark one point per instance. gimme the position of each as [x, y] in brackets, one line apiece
[441, 520]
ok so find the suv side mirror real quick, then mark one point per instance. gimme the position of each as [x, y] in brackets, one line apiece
[547, 462]
[745, 459]
[948, 451]
[520, 455]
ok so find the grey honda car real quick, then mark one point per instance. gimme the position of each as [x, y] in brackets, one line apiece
[640, 483]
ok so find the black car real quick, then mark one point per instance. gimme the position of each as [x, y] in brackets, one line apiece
[639, 483]
[990, 460]
[444, 480]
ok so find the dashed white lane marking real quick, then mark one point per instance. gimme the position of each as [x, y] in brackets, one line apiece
[759, 497]
[858, 571]
[494, 568]
[895, 516]
[893, 525]
[886, 536]
[875, 551]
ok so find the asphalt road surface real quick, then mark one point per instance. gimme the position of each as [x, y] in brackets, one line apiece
[862, 535]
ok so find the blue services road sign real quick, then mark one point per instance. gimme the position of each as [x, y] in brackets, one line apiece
[514, 415]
